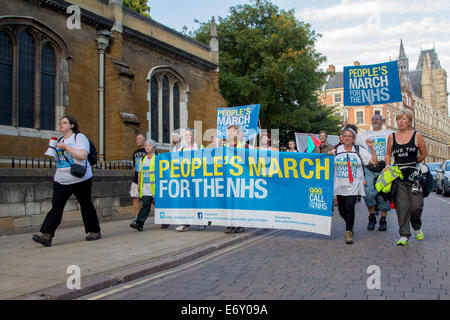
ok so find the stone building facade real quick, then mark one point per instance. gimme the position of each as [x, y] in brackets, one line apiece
[424, 92]
[117, 72]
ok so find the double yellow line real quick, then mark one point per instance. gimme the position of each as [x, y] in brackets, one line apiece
[187, 266]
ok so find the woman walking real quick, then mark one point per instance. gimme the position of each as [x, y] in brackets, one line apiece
[409, 149]
[349, 177]
[73, 148]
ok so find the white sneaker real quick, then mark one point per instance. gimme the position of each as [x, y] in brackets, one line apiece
[182, 228]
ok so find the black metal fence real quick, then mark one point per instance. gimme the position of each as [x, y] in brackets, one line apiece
[49, 163]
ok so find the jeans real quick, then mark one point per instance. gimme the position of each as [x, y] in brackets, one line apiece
[372, 197]
[61, 194]
[145, 210]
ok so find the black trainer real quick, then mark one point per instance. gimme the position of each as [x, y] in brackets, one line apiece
[383, 225]
[136, 226]
[372, 223]
[230, 229]
[239, 230]
[92, 236]
[44, 238]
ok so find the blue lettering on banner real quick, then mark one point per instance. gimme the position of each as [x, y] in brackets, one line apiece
[256, 187]
[246, 117]
[372, 84]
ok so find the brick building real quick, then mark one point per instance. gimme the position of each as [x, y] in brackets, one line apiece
[424, 92]
[118, 73]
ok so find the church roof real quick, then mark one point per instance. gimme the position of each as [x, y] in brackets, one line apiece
[416, 81]
[435, 64]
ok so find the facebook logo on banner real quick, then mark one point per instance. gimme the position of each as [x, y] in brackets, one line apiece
[200, 215]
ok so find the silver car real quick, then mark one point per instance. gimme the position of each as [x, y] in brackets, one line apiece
[443, 178]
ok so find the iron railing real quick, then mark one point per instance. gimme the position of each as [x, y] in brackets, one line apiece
[49, 163]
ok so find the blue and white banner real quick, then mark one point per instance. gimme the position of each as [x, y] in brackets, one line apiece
[372, 84]
[246, 117]
[245, 188]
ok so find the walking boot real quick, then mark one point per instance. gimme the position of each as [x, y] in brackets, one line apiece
[372, 222]
[44, 238]
[348, 236]
[383, 224]
[92, 236]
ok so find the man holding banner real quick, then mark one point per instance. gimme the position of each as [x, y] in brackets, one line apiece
[371, 85]
[372, 198]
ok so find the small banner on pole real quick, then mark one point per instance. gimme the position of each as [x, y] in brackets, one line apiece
[246, 117]
[372, 84]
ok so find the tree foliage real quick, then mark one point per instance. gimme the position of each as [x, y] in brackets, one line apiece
[140, 6]
[267, 56]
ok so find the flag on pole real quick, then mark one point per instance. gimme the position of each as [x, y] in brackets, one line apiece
[312, 143]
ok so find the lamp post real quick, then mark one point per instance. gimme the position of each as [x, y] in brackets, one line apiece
[103, 37]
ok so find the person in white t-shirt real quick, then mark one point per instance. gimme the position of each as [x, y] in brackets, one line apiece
[379, 136]
[73, 148]
[349, 177]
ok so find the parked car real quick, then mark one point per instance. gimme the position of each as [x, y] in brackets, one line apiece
[443, 178]
[433, 167]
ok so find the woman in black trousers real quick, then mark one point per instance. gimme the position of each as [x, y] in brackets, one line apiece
[72, 148]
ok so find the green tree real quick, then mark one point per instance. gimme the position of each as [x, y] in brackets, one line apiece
[267, 56]
[140, 6]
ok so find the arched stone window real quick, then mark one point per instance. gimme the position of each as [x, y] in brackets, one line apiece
[33, 77]
[168, 99]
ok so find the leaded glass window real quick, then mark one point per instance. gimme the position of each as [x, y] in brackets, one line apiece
[26, 80]
[154, 108]
[166, 109]
[5, 79]
[48, 81]
[176, 107]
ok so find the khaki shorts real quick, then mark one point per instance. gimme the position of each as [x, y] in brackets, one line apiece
[134, 190]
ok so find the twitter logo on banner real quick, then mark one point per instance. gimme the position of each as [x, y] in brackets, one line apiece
[162, 215]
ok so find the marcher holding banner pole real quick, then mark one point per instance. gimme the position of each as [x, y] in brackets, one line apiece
[189, 140]
[349, 177]
[372, 198]
[233, 141]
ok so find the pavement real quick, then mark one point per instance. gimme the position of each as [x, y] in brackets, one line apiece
[31, 271]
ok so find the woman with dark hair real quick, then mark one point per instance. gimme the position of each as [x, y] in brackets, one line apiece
[73, 148]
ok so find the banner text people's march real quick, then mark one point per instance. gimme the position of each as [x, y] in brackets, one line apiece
[245, 187]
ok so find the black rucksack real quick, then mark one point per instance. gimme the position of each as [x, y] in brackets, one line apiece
[427, 183]
[92, 155]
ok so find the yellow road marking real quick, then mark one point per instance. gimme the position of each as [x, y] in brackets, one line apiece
[189, 265]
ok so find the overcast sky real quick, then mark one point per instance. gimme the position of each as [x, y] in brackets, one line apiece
[368, 31]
